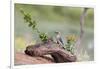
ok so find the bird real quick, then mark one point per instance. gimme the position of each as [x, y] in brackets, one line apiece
[59, 39]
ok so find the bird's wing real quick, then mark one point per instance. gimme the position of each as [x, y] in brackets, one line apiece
[61, 41]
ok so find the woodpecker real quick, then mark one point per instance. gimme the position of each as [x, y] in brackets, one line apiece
[59, 39]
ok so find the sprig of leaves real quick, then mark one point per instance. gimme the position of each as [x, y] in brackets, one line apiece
[32, 23]
[43, 37]
[28, 19]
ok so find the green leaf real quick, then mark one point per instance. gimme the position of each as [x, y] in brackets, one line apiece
[30, 24]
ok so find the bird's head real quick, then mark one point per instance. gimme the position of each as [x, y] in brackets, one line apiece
[57, 32]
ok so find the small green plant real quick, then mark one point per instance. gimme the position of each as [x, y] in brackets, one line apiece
[69, 46]
[33, 24]
[43, 37]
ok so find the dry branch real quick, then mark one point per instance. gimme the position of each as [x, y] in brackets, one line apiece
[57, 52]
[82, 22]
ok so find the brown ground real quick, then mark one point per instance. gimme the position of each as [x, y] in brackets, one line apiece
[23, 59]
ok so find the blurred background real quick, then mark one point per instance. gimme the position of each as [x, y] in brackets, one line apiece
[54, 18]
